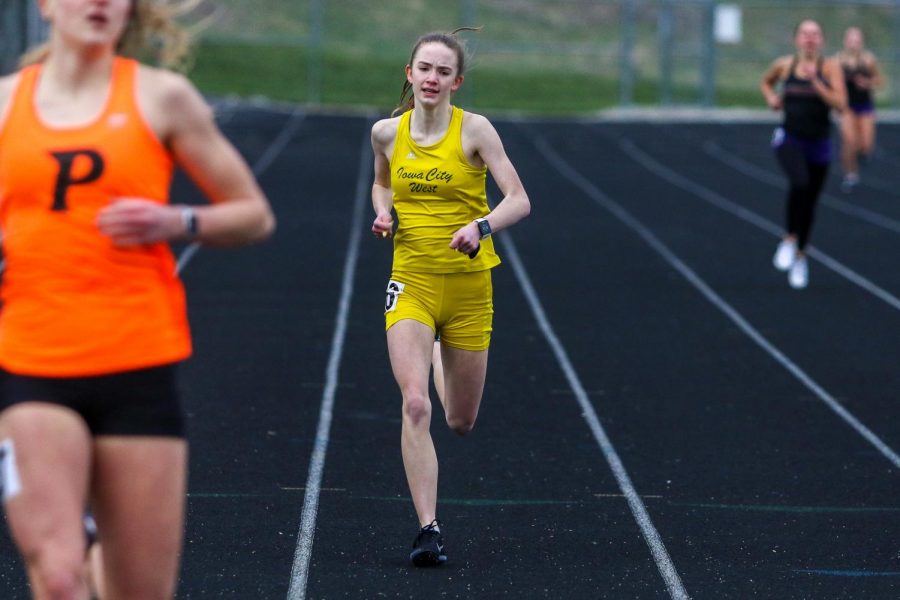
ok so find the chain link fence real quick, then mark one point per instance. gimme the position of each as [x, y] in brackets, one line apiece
[713, 52]
[574, 54]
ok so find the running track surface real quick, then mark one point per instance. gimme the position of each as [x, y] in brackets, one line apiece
[663, 418]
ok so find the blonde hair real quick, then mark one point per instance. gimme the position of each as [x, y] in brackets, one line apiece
[452, 41]
[151, 34]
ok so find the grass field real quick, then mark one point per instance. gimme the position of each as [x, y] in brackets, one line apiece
[235, 69]
[281, 73]
[536, 56]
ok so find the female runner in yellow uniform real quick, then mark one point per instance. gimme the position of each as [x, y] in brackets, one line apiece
[430, 167]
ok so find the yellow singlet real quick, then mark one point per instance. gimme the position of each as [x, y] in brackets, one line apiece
[436, 191]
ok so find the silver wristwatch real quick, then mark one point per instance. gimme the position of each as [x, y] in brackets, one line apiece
[484, 228]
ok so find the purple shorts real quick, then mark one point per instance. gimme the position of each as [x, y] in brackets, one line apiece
[863, 108]
[815, 151]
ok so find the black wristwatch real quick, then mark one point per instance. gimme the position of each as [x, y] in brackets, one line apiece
[484, 228]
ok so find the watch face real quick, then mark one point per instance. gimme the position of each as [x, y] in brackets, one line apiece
[484, 227]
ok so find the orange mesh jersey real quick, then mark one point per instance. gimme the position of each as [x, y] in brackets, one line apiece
[73, 304]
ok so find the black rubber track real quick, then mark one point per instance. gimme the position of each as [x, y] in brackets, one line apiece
[756, 488]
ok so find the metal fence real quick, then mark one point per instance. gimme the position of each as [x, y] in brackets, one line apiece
[694, 52]
[711, 52]
[20, 27]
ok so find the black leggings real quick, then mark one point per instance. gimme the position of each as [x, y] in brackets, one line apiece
[806, 180]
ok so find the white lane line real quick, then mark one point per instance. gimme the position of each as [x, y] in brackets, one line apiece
[185, 257]
[278, 144]
[657, 548]
[303, 553]
[739, 211]
[261, 165]
[639, 511]
[623, 215]
[749, 169]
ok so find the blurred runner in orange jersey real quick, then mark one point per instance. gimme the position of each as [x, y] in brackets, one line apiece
[94, 320]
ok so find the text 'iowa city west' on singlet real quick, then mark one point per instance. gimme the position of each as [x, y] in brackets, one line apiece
[73, 304]
[806, 115]
[436, 191]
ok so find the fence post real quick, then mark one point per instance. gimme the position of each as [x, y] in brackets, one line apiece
[627, 17]
[36, 30]
[666, 25]
[469, 13]
[895, 57]
[708, 52]
[469, 10]
[314, 50]
[21, 28]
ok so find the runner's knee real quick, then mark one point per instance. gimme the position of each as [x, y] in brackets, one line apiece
[460, 424]
[58, 571]
[417, 408]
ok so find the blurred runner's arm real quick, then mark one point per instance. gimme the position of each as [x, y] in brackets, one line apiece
[239, 212]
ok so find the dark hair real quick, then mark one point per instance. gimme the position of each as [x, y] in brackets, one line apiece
[407, 100]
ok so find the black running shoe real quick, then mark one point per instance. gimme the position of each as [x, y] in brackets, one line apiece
[428, 547]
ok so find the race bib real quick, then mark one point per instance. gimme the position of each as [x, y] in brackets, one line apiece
[10, 484]
[394, 289]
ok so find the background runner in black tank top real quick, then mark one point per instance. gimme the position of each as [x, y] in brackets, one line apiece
[806, 115]
[857, 96]
[811, 87]
[862, 76]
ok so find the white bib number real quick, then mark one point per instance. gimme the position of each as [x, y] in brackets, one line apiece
[394, 289]
[10, 484]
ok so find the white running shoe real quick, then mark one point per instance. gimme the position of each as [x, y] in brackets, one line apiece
[798, 276]
[785, 255]
[849, 183]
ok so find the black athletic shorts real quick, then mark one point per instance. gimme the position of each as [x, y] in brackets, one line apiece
[139, 402]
